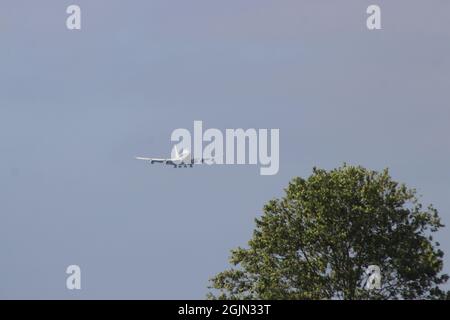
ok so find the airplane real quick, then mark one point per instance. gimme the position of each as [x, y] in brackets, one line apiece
[180, 160]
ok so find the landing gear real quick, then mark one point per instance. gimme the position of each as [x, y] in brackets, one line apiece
[185, 165]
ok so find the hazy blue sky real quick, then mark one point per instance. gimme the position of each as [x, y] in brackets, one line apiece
[77, 106]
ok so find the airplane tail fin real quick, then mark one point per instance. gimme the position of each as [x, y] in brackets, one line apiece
[177, 154]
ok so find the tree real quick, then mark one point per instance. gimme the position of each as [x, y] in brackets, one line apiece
[318, 240]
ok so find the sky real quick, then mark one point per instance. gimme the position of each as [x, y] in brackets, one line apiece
[77, 106]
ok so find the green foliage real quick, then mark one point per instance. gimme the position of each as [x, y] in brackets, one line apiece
[317, 241]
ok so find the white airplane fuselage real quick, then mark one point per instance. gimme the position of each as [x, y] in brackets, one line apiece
[180, 160]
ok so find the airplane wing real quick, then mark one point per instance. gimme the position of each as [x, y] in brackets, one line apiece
[204, 160]
[153, 159]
